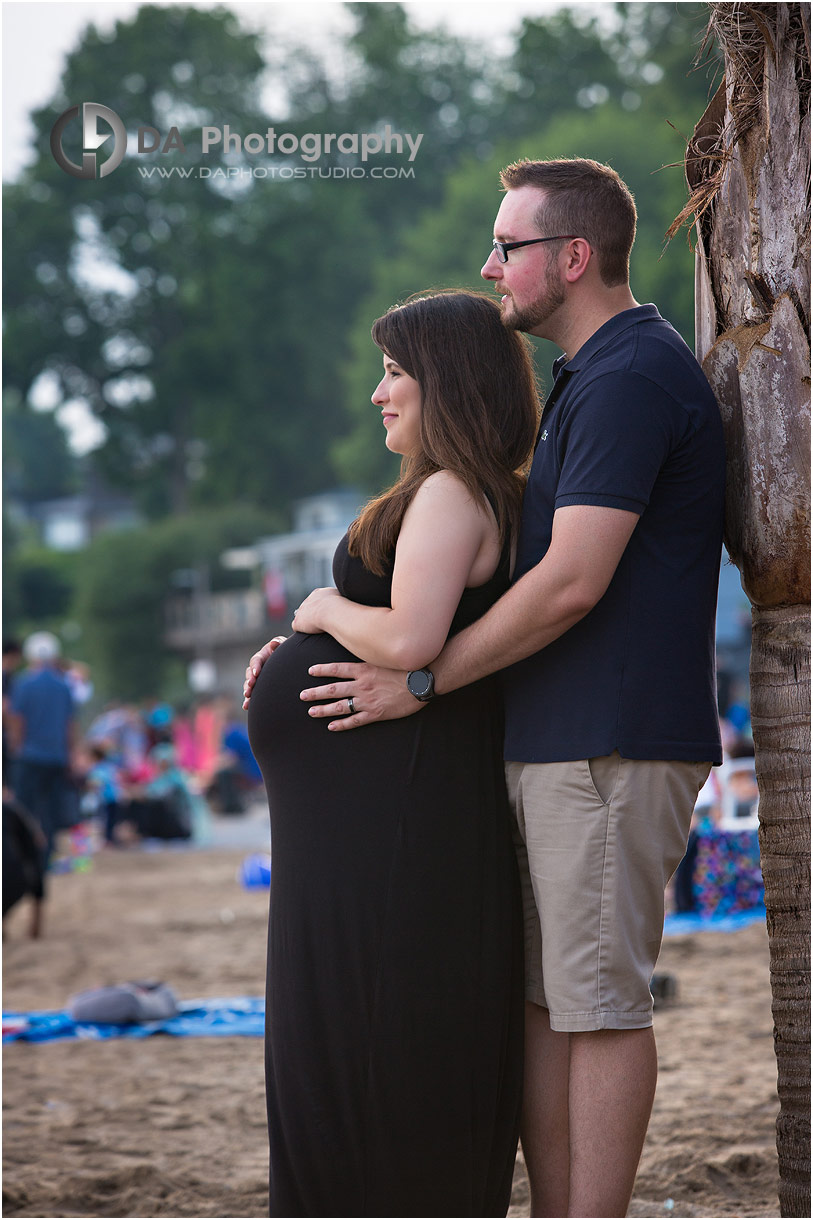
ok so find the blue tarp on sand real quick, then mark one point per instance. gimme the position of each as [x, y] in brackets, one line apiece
[240, 1016]
[683, 925]
[245, 1015]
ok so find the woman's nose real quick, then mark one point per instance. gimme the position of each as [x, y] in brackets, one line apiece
[379, 396]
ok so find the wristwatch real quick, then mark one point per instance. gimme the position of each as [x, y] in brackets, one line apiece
[421, 684]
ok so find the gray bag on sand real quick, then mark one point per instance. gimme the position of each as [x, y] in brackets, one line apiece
[124, 1003]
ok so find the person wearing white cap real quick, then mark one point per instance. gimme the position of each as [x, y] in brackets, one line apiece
[43, 709]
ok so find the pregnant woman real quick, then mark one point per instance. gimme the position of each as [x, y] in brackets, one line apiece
[394, 992]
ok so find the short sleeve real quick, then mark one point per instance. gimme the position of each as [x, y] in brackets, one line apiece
[618, 432]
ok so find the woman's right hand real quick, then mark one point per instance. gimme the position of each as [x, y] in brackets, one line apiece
[255, 665]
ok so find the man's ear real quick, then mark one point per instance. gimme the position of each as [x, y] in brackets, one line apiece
[578, 256]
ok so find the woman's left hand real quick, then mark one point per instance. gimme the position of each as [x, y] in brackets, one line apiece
[310, 617]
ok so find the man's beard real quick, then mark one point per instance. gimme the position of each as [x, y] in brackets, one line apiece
[527, 319]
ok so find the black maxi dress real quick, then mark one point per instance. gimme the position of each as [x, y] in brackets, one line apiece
[394, 1000]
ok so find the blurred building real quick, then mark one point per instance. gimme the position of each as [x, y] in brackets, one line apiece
[216, 632]
[71, 522]
[295, 563]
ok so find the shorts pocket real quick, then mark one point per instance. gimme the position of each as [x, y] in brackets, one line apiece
[602, 774]
[702, 772]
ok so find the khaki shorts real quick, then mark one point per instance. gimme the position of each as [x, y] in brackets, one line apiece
[597, 840]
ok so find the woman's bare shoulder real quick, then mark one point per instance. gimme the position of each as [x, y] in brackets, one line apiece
[444, 486]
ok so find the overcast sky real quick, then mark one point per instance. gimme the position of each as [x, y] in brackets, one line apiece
[37, 34]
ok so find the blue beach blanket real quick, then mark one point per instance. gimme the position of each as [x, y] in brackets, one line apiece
[682, 925]
[242, 1016]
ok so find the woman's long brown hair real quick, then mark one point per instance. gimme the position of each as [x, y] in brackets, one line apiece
[479, 410]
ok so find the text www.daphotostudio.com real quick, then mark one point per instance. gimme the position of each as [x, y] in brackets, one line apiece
[310, 147]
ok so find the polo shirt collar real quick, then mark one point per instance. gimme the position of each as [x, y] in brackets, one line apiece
[604, 335]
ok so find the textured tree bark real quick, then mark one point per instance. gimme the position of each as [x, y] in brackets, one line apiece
[748, 169]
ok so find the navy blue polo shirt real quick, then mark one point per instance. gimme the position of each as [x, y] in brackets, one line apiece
[631, 423]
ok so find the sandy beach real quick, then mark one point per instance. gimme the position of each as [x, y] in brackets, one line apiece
[176, 1126]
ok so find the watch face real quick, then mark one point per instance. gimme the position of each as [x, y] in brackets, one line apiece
[420, 683]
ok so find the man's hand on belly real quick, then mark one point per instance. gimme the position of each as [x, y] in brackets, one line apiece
[376, 694]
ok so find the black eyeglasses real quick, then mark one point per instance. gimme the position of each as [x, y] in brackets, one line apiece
[502, 247]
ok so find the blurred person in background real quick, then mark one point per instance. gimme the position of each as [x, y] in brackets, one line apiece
[237, 776]
[23, 862]
[104, 781]
[207, 731]
[43, 726]
[77, 675]
[23, 840]
[12, 656]
[158, 721]
[121, 728]
[159, 807]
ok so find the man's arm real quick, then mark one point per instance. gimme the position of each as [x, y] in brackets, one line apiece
[586, 546]
[587, 543]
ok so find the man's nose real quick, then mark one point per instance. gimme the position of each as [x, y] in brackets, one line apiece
[492, 267]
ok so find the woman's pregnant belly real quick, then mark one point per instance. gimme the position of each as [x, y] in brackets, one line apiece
[278, 719]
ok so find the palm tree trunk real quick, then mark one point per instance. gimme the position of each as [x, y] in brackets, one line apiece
[748, 168]
[780, 709]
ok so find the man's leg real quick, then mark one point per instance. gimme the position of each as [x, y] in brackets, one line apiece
[544, 1131]
[544, 1124]
[600, 839]
[612, 1086]
[585, 1113]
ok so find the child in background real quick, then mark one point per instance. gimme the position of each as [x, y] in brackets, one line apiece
[104, 779]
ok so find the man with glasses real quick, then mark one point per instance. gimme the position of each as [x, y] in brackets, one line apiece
[607, 642]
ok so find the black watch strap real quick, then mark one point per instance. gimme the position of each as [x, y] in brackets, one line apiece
[421, 684]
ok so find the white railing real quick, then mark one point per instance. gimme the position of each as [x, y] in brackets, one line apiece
[214, 617]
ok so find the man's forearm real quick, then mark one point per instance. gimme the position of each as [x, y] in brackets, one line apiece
[528, 617]
[586, 546]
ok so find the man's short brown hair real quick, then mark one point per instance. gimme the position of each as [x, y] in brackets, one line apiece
[586, 199]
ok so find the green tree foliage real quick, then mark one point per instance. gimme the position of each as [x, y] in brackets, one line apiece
[629, 111]
[123, 581]
[39, 584]
[214, 360]
[46, 584]
[213, 363]
[37, 464]
[388, 72]
[136, 353]
[641, 59]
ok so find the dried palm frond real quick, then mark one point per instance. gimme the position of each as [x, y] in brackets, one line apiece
[707, 155]
[745, 32]
[746, 35]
